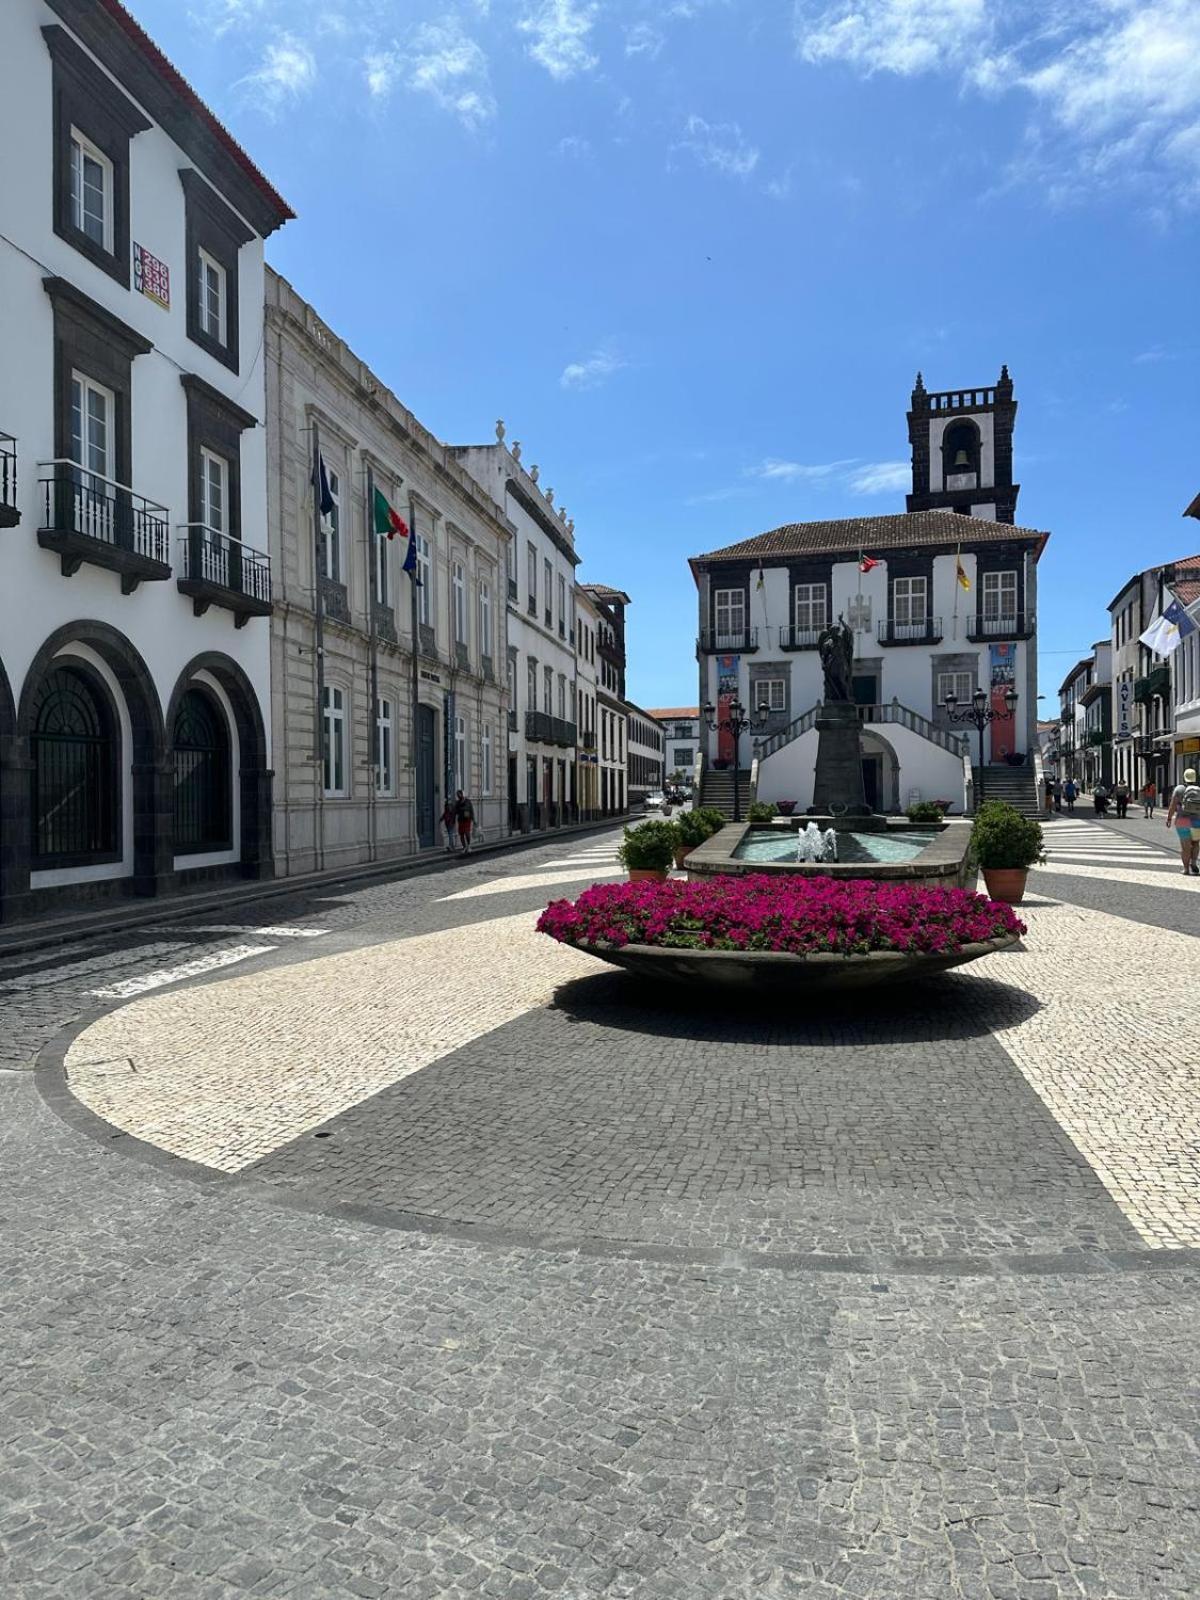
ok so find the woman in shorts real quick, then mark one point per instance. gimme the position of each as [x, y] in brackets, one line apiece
[1183, 813]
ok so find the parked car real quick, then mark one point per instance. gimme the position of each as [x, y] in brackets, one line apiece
[655, 801]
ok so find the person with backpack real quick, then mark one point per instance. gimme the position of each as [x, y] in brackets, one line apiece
[1070, 790]
[1183, 813]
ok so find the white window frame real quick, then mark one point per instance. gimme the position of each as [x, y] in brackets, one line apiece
[81, 149]
[910, 602]
[331, 527]
[764, 694]
[730, 603]
[217, 525]
[562, 697]
[548, 585]
[88, 386]
[562, 603]
[425, 574]
[210, 267]
[809, 606]
[962, 683]
[1000, 596]
[531, 572]
[333, 754]
[485, 760]
[458, 595]
[531, 683]
[548, 689]
[385, 771]
[485, 618]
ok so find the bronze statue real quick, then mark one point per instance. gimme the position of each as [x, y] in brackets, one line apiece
[836, 649]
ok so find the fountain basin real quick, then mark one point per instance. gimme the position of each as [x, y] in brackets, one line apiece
[896, 851]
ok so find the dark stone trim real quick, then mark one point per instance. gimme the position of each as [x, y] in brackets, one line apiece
[69, 300]
[216, 424]
[549, 526]
[200, 392]
[211, 226]
[74, 548]
[87, 99]
[131, 58]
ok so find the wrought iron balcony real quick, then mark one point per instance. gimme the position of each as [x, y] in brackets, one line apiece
[926, 630]
[1155, 685]
[220, 571]
[542, 728]
[1012, 625]
[800, 638]
[9, 513]
[723, 641]
[87, 517]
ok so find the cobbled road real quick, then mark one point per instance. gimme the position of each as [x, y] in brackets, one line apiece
[358, 1245]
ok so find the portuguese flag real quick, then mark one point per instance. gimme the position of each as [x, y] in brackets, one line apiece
[387, 519]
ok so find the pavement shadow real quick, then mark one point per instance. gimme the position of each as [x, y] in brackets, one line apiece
[948, 1006]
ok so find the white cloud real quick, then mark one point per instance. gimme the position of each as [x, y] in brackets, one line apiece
[1156, 352]
[574, 147]
[796, 471]
[901, 36]
[288, 70]
[447, 64]
[719, 145]
[643, 39]
[592, 372]
[560, 31]
[882, 477]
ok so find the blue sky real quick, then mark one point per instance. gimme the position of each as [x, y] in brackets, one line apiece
[694, 251]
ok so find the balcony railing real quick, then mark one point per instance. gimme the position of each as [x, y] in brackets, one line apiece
[794, 638]
[221, 571]
[542, 728]
[722, 641]
[1155, 685]
[1012, 625]
[87, 517]
[9, 514]
[926, 630]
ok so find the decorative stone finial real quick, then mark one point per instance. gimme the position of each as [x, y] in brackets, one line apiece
[516, 449]
[1004, 377]
[533, 471]
[562, 514]
[499, 430]
[549, 493]
[571, 527]
[919, 386]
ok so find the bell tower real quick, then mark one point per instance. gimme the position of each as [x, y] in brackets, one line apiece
[962, 450]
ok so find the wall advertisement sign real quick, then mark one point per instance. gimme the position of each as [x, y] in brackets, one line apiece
[151, 277]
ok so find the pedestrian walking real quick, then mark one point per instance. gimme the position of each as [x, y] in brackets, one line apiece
[464, 816]
[1056, 793]
[450, 822]
[1100, 800]
[1121, 796]
[1069, 793]
[1149, 798]
[1183, 812]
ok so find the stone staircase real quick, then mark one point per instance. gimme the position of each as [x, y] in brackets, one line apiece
[716, 789]
[1016, 785]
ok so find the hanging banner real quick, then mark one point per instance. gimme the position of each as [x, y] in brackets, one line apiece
[1004, 678]
[1125, 709]
[728, 668]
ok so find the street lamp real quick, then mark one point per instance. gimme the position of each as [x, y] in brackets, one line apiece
[735, 723]
[978, 714]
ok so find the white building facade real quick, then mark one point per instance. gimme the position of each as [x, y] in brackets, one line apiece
[612, 709]
[1151, 725]
[408, 676]
[681, 740]
[587, 758]
[135, 584]
[645, 757]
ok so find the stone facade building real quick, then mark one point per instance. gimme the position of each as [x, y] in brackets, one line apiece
[645, 755]
[135, 715]
[1146, 687]
[612, 710]
[408, 676]
[587, 759]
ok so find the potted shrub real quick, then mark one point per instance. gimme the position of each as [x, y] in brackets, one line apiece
[762, 811]
[926, 811]
[647, 851]
[693, 828]
[785, 807]
[1006, 845]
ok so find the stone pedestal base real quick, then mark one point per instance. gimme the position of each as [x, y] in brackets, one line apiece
[839, 780]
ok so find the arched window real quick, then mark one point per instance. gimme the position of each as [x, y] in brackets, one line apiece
[74, 750]
[960, 449]
[203, 809]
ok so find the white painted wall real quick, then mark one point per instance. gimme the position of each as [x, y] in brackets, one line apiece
[926, 771]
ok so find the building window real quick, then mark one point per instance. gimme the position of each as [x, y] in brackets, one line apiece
[960, 684]
[511, 681]
[203, 809]
[73, 747]
[909, 600]
[213, 293]
[215, 428]
[684, 758]
[333, 719]
[485, 759]
[548, 686]
[331, 530]
[460, 753]
[485, 619]
[562, 697]
[383, 587]
[809, 611]
[531, 685]
[999, 596]
[562, 607]
[458, 592]
[424, 580]
[214, 495]
[91, 191]
[385, 777]
[531, 570]
[93, 414]
[730, 609]
[548, 592]
[772, 693]
[214, 236]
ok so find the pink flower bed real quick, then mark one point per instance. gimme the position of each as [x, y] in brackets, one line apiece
[811, 916]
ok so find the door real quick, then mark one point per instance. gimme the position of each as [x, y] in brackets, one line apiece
[872, 771]
[865, 687]
[426, 751]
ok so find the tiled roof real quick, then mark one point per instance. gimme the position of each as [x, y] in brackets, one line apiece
[676, 714]
[604, 591]
[903, 531]
[1188, 589]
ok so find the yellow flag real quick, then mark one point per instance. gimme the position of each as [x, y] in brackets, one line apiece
[962, 577]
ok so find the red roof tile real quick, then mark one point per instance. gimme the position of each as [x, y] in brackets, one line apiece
[902, 531]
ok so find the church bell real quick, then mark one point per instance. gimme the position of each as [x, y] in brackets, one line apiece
[962, 461]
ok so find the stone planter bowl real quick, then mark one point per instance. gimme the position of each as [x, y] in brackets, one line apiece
[757, 970]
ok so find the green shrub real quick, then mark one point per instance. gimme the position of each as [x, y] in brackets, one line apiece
[925, 811]
[650, 846]
[697, 826]
[1002, 837]
[762, 811]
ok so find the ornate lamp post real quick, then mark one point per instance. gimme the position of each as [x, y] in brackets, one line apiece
[736, 723]
[979, 714]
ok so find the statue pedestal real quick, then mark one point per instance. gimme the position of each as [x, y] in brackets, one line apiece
[839, 779]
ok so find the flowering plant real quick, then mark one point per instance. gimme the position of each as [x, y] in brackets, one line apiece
[808, 916]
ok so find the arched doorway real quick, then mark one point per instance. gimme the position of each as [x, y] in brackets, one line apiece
[203, 781]
[74, 746]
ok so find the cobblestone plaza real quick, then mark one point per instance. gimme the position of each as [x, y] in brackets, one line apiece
[369, 1244]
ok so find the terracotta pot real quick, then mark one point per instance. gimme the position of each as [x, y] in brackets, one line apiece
[1006, 883]
[682, 853]
[785, 807]
[648, 874]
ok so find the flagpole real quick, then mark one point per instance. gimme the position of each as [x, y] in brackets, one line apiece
[319, 631]
[416, 680]
[373, 660]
